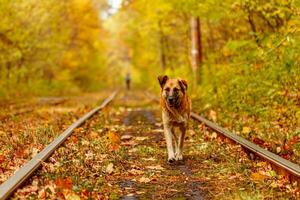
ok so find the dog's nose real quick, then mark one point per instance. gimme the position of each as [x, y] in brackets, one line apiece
[171, 100]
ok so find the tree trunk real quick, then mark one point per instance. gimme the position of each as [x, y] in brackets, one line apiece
[162, 48]
[196, 47]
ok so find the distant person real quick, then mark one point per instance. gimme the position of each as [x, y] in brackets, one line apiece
[128, 80]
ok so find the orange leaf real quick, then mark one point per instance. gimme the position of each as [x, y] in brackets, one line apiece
[114, 137]
[293, 141]
[2, 158]
[84, 193]
[65, 183]
[20, 153]
[115, 140]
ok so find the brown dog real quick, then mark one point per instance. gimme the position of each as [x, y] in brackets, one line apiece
[176, 108]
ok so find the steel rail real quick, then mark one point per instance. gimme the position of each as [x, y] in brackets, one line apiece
[272, 158]
[10, 185]
[290, 167]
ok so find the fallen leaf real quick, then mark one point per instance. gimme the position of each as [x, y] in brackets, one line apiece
[129, 143]
[144, 180]
[156, 167]
[278, 149]
[172, 190]
[261, 164]
[84, 193]
[126, 137]
[109, 168]
[93, 135]
[132, 150]
[135, 172]
[2, 158]
[286, 155]
[70, 195]
[34, 151]
[191, 132]
[158, 124]
[65, 183]
[28, 190]
[258, 141]
[20, 153]
[214, 135]
[246, 130]
[42, 194]
[291, 142]
[141, 138]
[258, 176]
[130, 195]
[149, 159]
[213, 115]
[113, 137]
[158, 131]
[271, 173]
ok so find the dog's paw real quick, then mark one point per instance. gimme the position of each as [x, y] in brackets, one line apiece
[171, 159]
[178, 157]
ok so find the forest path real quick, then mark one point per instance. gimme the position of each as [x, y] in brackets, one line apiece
[120, 153]
[146, 174]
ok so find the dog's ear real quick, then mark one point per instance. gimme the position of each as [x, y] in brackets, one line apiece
[162, 80]
[183, 85]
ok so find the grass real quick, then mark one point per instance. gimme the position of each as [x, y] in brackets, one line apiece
[263, 99]
[226, 166]
[145, 151]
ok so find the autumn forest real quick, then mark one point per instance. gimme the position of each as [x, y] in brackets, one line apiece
[61, 58]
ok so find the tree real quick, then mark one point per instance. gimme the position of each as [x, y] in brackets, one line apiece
[196, 47]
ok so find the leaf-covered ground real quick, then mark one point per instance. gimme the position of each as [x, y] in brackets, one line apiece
[120, 153]
[28, 125]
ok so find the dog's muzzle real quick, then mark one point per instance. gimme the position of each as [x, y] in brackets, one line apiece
[172, 101]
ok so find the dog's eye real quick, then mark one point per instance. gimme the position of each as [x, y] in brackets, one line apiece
[167, 89]
[176, 89]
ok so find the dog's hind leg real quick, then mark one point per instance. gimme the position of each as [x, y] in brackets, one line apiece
[168, 136]
[179, 155]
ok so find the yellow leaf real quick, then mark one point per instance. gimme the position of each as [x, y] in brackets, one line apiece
[258, 177]
[246, 130]
[71, 196]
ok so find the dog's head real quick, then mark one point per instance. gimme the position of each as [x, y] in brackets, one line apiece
[172, 90]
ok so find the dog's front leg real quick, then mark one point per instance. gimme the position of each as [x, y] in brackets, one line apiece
[174, 139]
[168, 136]
[179, 155]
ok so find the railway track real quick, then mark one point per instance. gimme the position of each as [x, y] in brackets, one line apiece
[8, 187]
[281, 165]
